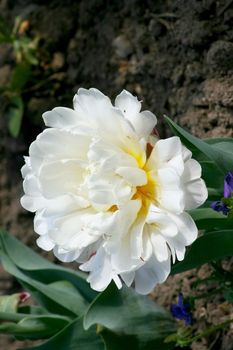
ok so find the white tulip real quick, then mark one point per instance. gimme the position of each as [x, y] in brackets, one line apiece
[109, 195]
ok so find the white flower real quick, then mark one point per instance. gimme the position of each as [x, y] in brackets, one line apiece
[109, 195]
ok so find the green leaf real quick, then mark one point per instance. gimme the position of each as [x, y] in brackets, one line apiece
[32, 310]
[38, 268]
[224, 144]
[35, 327]
[131, 316]
[213, 177]
[14, 115]
[223, 159]
[210, 247]
[62, 297]
[72, 337]
[54, 299]
[20, 76]
[115, 341]
[208, 219]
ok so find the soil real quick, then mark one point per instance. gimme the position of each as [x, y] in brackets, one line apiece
[176, 55]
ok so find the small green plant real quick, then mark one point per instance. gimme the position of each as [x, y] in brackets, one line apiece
[25, 58]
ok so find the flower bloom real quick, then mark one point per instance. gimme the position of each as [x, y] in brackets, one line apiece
[181, 311]
[225, 205]
[109, 195]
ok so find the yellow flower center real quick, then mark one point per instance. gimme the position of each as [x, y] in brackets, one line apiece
[147, 192]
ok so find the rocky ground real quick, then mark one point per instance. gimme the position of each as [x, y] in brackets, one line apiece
[177, 56]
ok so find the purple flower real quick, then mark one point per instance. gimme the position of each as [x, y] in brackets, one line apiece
[228, 184]
[220, 205]
[181, 311]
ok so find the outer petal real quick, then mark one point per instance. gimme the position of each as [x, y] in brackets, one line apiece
[80, 229]
[187, 233]
[150, 274]
[45, 242]
[66, 256]
[96, 110]
[194, 187]
[163, 153]
[144, 122]
[60, 177]
[101, 272]
[128, 104]
[61, 118]
[195, 194]
[170, 196]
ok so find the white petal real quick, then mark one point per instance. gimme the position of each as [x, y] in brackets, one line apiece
[128, 277]
[186, 235]
[144, 122]
[133, 175]
[124, 254]
[31, 185]
[195, 194]
[107, 188]
[171, 196]
[58, 178]
[44, 242]
[167, 153]
[192, 170]
[96, 109]
[61, 118]
[100, 269]
[32, 203]
[92, 102]
[65, 256]
[26, 168]
[60, 144]
[77, 230]
[159, 246]
[186, 153]
[160, 221]
[150, 274]
[128, 104]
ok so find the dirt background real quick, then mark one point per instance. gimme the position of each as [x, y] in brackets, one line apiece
[177, 56]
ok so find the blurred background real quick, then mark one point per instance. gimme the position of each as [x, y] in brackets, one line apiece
[175, 55]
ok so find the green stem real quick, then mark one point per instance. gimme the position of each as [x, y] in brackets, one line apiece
[7, 316]
[16, 317]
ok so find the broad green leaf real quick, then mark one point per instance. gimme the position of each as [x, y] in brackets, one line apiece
[209, 247]
[73, 337]
[216, 140]
[208, 219]
[222, 143]
[65, 300]
[54, 299]
[213, 177]
[223, 160]
[132, 316]
[40, 269]
[14, 115]
[115, 341]
[35, 327]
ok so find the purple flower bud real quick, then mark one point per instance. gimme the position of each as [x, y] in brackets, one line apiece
[181, 311]
[220, 207]
[228, 184]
